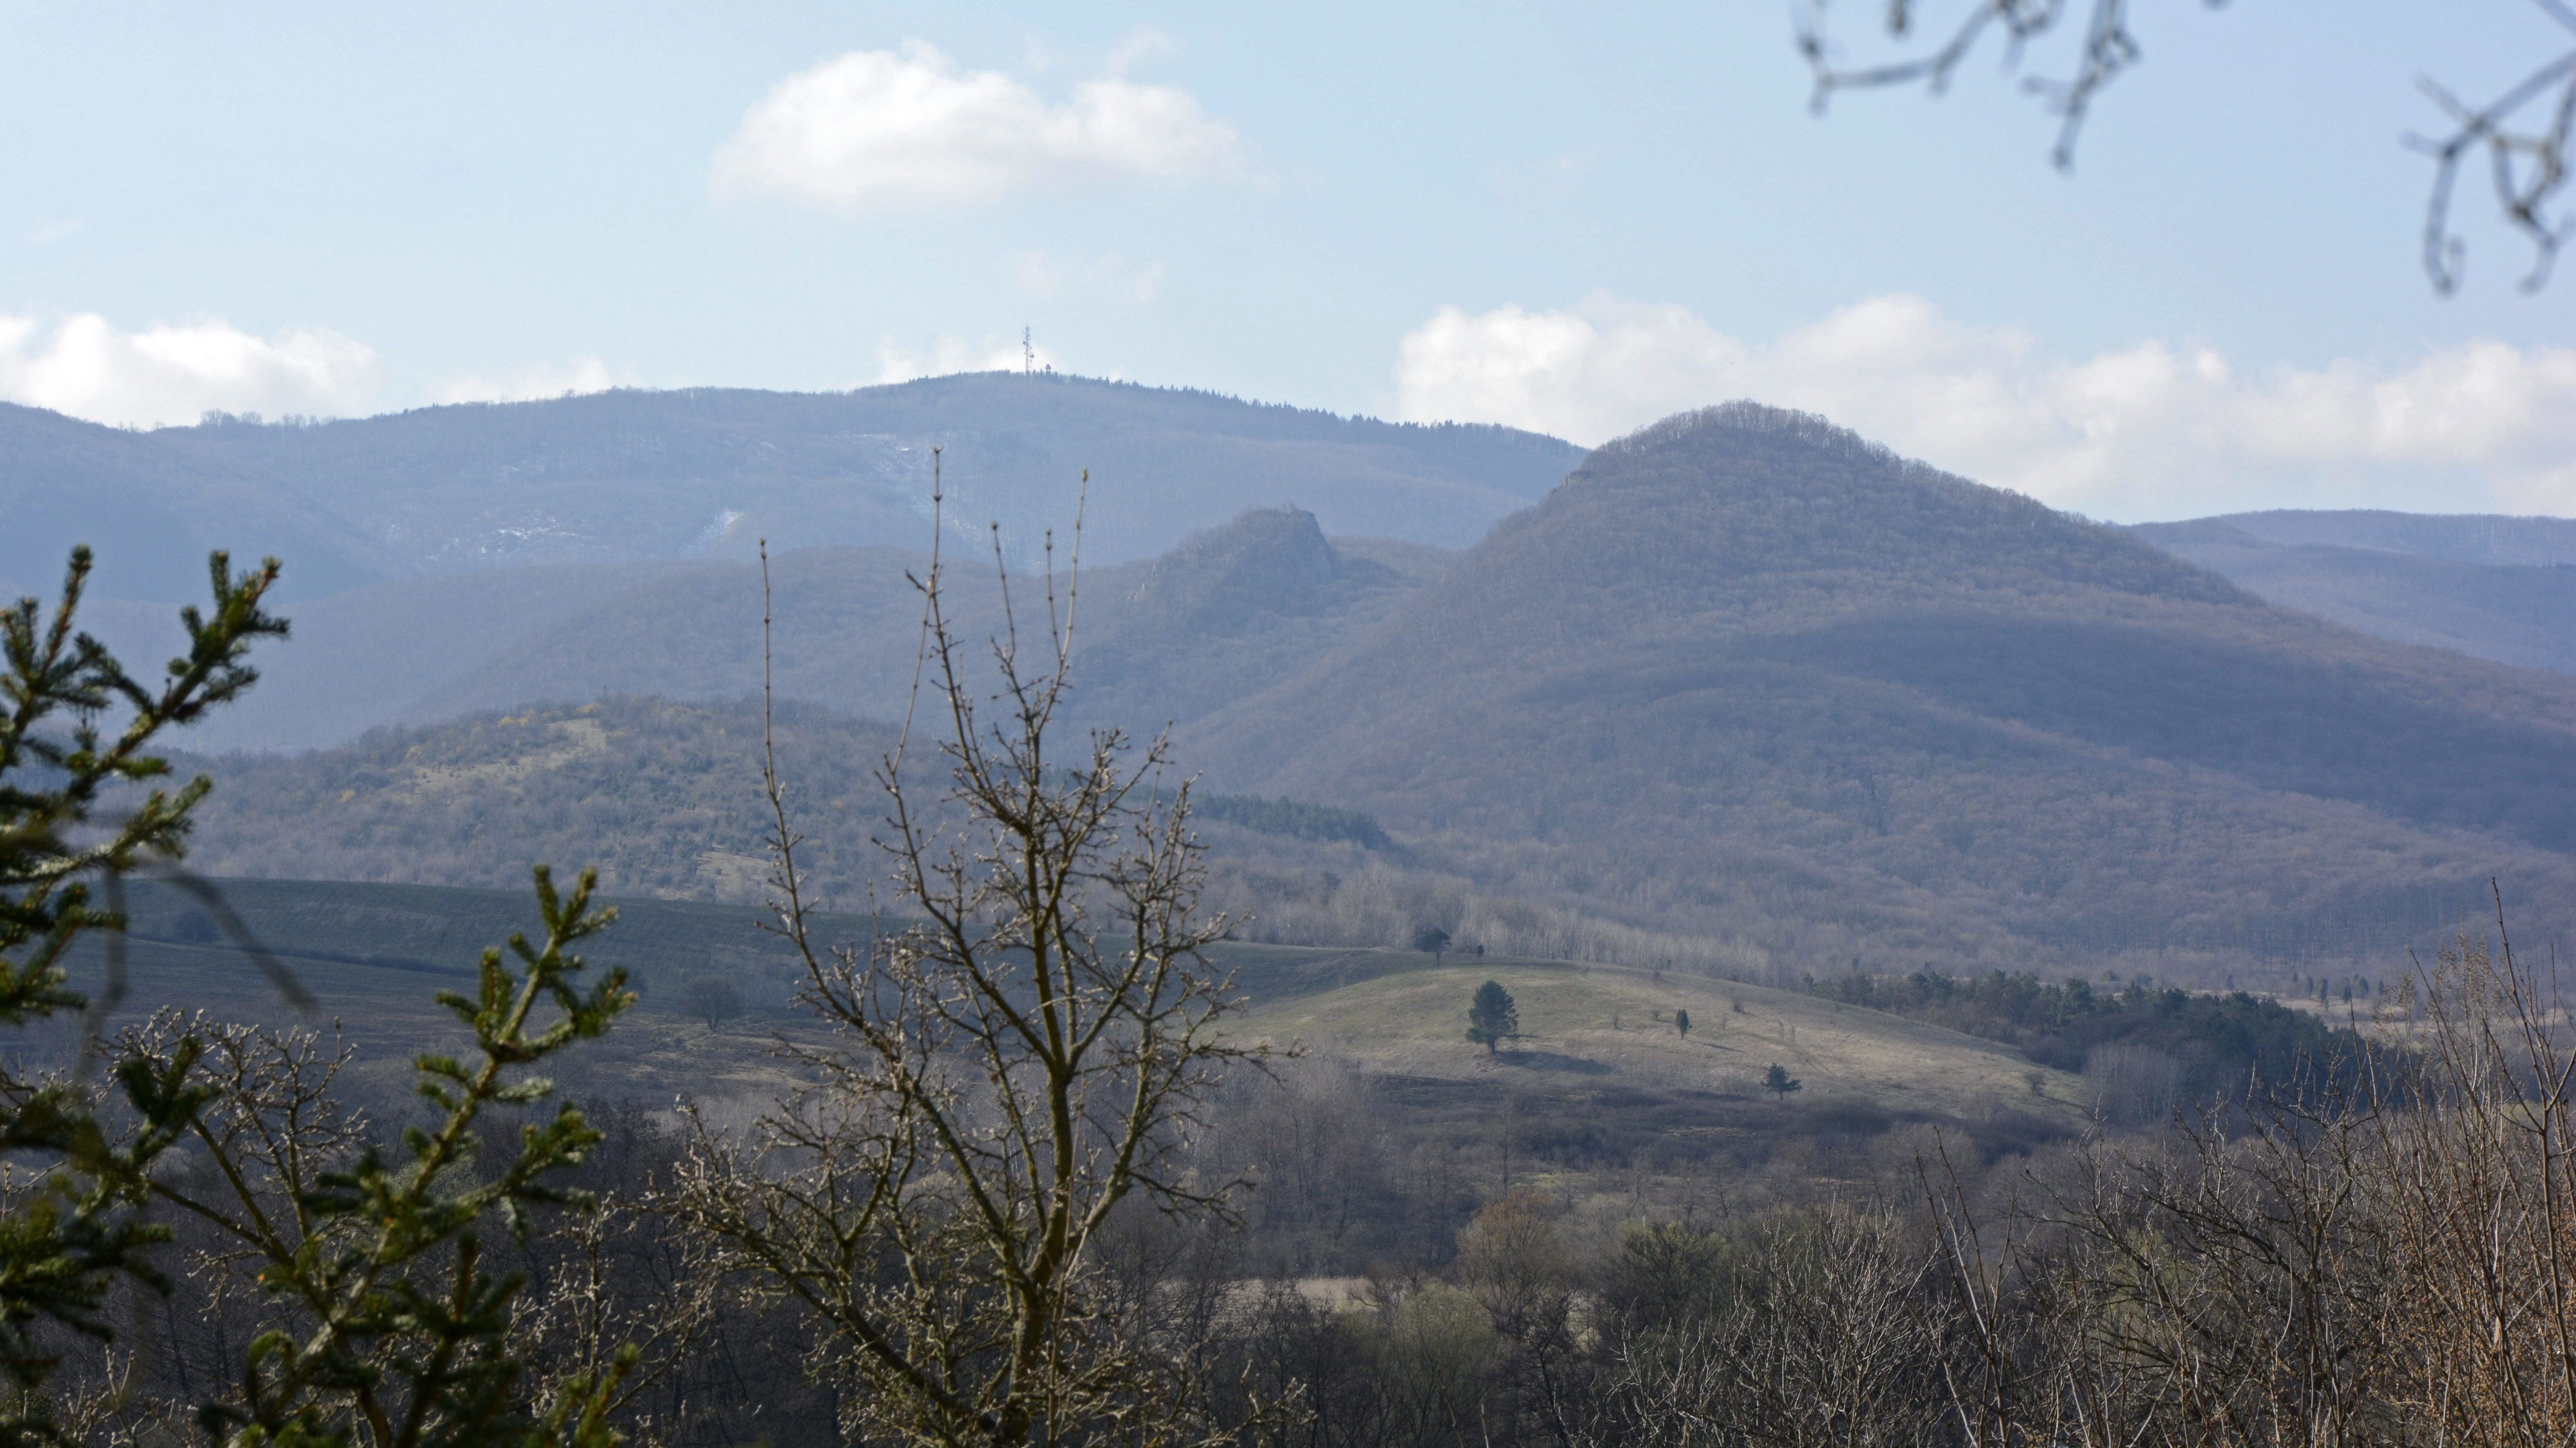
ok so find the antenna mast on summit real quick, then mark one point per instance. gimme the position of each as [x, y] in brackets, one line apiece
[1028, 354]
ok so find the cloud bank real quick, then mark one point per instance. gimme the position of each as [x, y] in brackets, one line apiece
[909, 130]
[946, 356]
[175, 374]
[587, 375]
[2148, 431]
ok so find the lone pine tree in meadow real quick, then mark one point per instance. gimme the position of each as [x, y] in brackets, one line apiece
[1492, 1017]
[1681, 1020]
[1779, 1082]
[1432, 941]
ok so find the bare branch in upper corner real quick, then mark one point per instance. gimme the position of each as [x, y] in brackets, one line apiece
[2108, 50]
[2523, 134]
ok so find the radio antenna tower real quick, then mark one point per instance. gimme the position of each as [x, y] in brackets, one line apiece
[1028, 354]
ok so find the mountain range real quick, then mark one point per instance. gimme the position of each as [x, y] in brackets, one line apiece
[451, 559]
[628, 476]
[1744, 691]
[2494, 587]
[1753, 675]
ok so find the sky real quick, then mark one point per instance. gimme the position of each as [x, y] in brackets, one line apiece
[1573, 218]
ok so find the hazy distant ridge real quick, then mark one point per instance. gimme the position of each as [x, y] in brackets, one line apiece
[2493, 587]
[633, 475]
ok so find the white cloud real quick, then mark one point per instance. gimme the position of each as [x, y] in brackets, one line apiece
[2151, 430]
[174, 374]
[909, 129]
[947, 355]
[587, 374]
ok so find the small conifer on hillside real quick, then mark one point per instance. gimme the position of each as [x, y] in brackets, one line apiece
[1492, 1017]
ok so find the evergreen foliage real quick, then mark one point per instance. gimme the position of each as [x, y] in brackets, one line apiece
[386, 1312]
[386, 1323]
[81, 1225]
[2224, 1044]
[1492, 1017]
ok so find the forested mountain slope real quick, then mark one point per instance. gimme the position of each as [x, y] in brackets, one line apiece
[1749, 674]
[664, 798]
[153, 510]
[1231, 611]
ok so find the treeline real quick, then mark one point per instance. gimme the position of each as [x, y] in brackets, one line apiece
[2154, 1040]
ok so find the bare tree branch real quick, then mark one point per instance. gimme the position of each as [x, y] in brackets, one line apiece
[2108, 50]
[1022, 1059]
[2522, 133]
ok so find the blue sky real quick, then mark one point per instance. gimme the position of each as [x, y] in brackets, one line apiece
[1568, 217]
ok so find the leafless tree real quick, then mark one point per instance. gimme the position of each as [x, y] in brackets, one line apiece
[2479, 1185]
[1829, 1339]
[2521, 134]
[1028, 1051]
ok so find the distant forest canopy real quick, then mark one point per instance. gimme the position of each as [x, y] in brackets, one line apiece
[662, 797]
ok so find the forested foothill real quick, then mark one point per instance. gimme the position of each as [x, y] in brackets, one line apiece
[1774, 945]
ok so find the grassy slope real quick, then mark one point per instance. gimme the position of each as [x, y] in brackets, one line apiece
[1591, 1031]
[1595, 1081]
